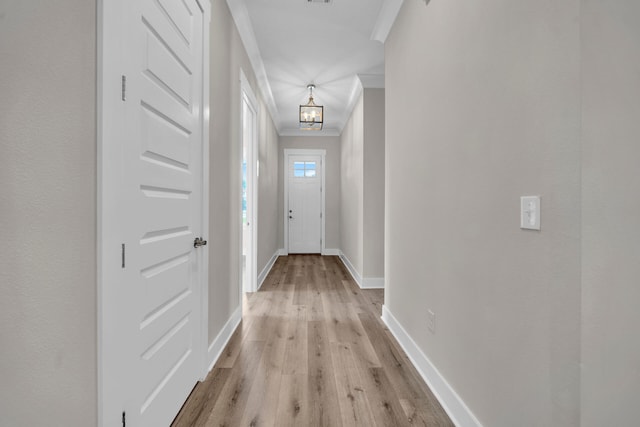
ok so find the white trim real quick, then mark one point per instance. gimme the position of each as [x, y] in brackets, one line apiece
[304, 152]
[360, 82]
[109, 236]
[453, 404]
[247, 91]
[386, 18]
[241, 17]
[225, 334]
[372, 283]
[282, 252]
[363, 282]
[267, 268]
[356, 91]
[204, 264]
[102, 50]
[331, 252]
[299, 132]
[372, 81]
[354, 273]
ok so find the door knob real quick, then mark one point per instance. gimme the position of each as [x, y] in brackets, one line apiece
[199, 242]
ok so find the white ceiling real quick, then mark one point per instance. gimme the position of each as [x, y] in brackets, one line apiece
[336, 46]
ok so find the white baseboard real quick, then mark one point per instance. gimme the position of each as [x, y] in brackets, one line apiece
[331, 252]
[354, 273]
[454, 406]
[267, 268]
[218, 344]
[282, 252]
[372, 283]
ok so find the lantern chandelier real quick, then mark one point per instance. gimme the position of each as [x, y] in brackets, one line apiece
[310, 113]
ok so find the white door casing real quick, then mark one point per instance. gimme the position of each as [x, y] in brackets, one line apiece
[304, 201]
[153, 179]
[249, 143]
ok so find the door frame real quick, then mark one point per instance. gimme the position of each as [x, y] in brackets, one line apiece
[108, 233]
[246, 92]
[303, 152]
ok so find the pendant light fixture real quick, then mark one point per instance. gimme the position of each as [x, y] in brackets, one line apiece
[310, 113]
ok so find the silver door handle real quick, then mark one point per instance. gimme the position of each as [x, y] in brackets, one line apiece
[199, 242]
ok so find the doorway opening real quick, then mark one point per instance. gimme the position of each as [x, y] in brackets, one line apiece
[249, 173]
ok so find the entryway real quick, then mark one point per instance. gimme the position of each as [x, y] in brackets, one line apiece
[304, 201]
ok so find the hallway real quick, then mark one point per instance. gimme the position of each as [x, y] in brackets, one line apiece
[312, 350]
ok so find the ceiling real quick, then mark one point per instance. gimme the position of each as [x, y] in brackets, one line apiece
[338, 46]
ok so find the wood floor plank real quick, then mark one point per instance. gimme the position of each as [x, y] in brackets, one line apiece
[233, 398]
[262, 403]
[311, 350]
[293, 403]
[354, 405]
[324, 406]
[202, 400]
[384, 404]
[396, 363]
[295, 358]
[230, 353]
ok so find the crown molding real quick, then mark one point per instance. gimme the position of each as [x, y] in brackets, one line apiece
[298, 132]
[372, 81]
[242, 20]
[386, 18]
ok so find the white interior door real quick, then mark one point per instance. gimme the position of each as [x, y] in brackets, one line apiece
[304, 211]
[153, 313]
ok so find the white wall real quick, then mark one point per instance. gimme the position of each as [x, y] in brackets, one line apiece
[48, 213]
[332, 181]
[268, 207]
[351, 187]
[228, 56]
[373, 184]
[611, 206]
[482, 107]
[362, 187]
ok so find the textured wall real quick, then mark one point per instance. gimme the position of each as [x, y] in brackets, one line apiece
[48, 213]
[332, 181]
[483, 106]
[611, 206]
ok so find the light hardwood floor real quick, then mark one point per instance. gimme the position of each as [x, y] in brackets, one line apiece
[312, 351]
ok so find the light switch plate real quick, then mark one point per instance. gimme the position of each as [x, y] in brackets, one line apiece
[530, 212]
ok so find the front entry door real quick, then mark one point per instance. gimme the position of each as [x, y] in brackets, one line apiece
[304, 211]
[153, 315]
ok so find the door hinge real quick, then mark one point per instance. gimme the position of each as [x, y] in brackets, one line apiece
[124, 88]
[123, 255]
[124, 419]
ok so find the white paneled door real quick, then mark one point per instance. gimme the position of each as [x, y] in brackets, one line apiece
[156, 350]
[304, 210]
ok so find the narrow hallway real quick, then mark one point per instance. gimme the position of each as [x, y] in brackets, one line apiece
[312, 351]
